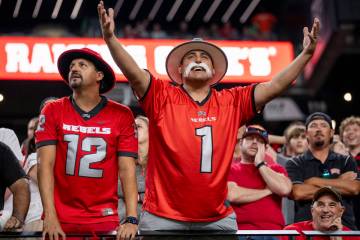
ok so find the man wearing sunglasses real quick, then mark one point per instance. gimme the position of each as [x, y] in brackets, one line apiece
[255, 186]
[319, 167]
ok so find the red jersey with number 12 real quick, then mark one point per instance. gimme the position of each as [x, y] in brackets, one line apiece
[87, 150]
[191, 146]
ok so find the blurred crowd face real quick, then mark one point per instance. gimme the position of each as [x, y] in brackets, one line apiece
[339, 147]
[197, 66]
[298, 144]
[351, 135]
[319, 133]
[142, 130]
[324, 211]
[31, 127]
[250, 145]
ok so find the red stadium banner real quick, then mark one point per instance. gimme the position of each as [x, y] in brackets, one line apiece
[32, 58]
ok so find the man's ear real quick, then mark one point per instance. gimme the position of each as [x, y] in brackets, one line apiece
[99, 75]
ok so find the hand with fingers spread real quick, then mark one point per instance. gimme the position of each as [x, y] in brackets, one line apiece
[52, 229]
[127, 231]
[106, 20]
[310, 38]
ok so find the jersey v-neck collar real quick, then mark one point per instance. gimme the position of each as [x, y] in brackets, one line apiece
[197, 102]
[88, 115]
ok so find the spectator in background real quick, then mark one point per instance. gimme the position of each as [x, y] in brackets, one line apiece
[46, 101]
[183, 31]
[350, 135]
[227, 31]
[9, 137]
[264, 23]
[12, 176]
[295, 144]
[30, 134]
[319, 167]
[141, 29]
[214, 32]
[33, 220]
[255, 186]
[142, 126]
[157, 31]
[327, 209]
[338, 146]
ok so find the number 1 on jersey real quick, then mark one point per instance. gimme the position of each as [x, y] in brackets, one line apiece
[206, 148]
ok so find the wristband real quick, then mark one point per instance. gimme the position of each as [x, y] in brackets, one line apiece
[260, 164]
[132, 220]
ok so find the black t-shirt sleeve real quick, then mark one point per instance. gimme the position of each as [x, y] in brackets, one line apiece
[294, 171]
[10, 167]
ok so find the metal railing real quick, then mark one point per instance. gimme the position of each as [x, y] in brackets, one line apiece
[189, 234]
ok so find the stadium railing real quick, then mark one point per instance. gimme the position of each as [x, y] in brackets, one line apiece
[165, 234]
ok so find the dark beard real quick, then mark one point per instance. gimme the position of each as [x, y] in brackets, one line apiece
[319, 144]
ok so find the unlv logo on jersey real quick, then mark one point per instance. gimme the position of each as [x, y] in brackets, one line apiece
[201, 113]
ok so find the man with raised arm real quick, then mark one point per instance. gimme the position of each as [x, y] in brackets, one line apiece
[193, 127]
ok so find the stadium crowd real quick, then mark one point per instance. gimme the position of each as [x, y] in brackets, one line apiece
[140, 172]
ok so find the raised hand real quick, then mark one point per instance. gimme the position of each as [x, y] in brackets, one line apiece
[310, 38]
[106, 20]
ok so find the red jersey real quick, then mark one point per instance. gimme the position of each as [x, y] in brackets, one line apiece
[191, 145]
[87, 150]
[308, 226]
[247, 214]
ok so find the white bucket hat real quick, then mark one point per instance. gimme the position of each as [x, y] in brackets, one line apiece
[176, 55]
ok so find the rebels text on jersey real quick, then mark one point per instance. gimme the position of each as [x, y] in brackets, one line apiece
[87, 150]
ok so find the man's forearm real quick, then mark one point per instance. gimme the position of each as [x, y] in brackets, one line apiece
[136, 76]
[245, 195]
[276, 182]
[303, 191]
[129, 185]
[265, 92]
[45, 176]
[344, 186]
[21, 199]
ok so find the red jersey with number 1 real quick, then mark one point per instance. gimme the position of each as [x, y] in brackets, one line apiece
[191, 146]
[87, 148]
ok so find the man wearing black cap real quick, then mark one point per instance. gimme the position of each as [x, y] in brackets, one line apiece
[326, 210]
[319, 167]
[256, 186]
[193, 128]
[84, 142]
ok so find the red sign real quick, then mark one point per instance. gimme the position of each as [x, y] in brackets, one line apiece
[27, 58]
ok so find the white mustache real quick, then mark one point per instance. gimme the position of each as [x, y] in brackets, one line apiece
[202, 65]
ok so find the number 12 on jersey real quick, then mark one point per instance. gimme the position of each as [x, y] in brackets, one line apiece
[84, 168]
